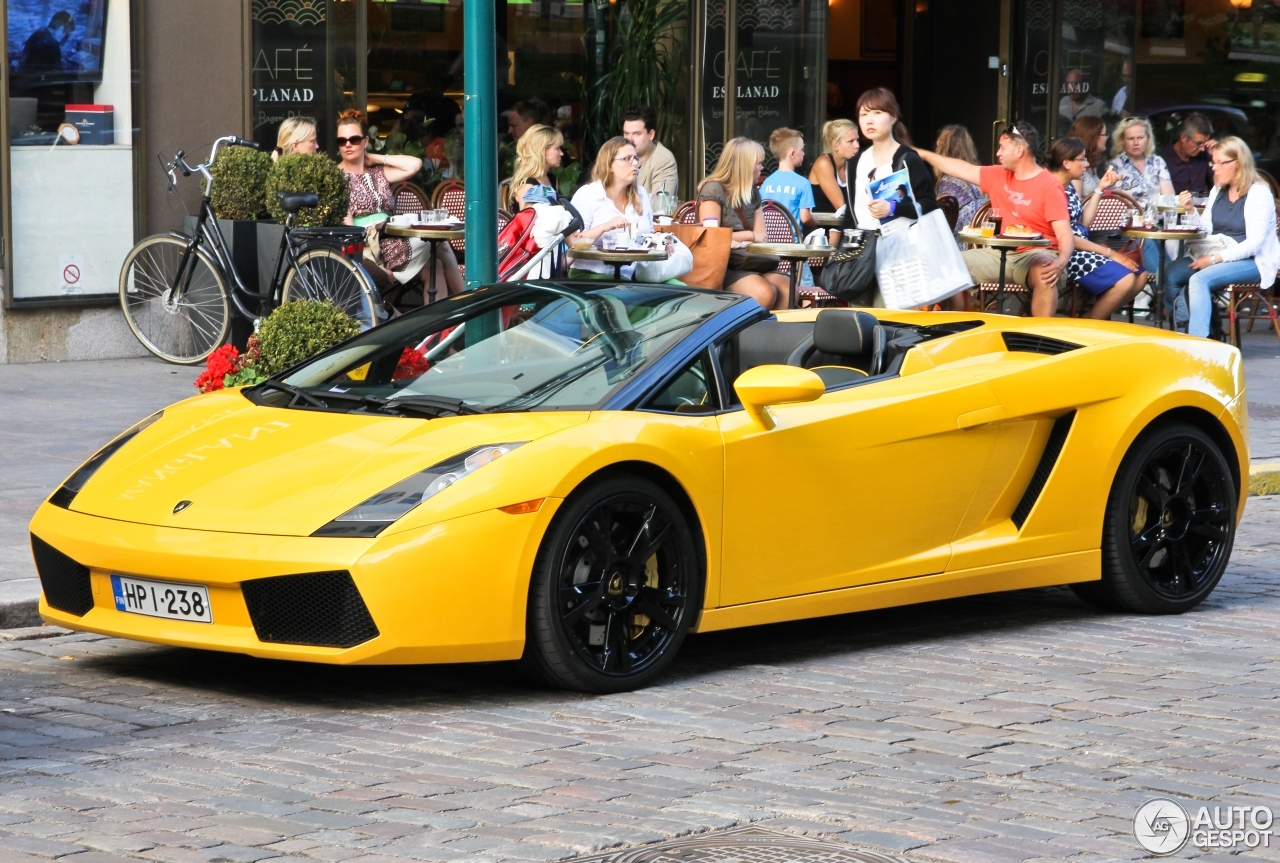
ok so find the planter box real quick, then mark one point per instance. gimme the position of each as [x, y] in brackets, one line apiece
[253, 246]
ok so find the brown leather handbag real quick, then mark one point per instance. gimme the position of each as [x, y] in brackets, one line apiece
[710, 247]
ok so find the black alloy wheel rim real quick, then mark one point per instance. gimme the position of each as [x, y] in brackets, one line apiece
[1179, 525]
[623, 584]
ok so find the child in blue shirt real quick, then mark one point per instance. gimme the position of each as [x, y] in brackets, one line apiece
[786, 186]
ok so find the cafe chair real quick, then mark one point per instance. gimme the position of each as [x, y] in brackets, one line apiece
[1260, 304]
[451, 196]
[985, 295]
[686, 213]
[950, 208]
[410, 198]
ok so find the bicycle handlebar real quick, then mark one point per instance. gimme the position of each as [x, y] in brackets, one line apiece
[179, 162]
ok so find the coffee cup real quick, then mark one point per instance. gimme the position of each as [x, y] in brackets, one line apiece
[710, 223]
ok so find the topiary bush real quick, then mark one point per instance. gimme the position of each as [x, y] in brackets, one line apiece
[307, 172]
[301, 329]
[239, 177]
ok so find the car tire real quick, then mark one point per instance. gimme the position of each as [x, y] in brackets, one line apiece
[616, 586]
[1170, 523]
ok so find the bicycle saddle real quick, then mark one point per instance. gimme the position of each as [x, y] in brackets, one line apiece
[292, 202]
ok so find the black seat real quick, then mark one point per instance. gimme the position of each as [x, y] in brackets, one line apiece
[850, 346]
[292, 202]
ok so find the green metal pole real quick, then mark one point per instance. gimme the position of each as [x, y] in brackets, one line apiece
[481, 131]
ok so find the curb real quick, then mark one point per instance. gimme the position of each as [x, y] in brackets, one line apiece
[1264, 479]
[18, 614]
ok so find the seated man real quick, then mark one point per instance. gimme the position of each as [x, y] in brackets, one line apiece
[1021, 193]
[1188, 156]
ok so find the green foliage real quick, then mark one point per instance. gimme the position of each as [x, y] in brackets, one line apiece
[307, 172]
[301, 329]
[239, 176]
[567, 178]
[644, 65]
[246, 377]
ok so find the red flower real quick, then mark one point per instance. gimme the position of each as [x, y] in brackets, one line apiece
[220, 363]
[411, 364]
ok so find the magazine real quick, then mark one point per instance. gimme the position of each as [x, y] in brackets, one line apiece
[895, 187]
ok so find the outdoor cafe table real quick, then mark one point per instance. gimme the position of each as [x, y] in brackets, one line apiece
[618, 257]
[797, 253]
[1157, 309]
[433, 235]
[1003, 244]
[827, 220]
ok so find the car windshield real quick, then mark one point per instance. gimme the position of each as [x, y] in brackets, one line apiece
[533, 346]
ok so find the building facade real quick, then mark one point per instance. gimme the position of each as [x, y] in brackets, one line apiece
[94, 93]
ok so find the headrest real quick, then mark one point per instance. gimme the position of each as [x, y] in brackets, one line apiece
[844, 332]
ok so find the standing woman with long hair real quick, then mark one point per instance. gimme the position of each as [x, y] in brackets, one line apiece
[830, 172]
[879, 119]
[369, 177]
[538, 151]
[956, 142]
[1240, 219]
[731, 194]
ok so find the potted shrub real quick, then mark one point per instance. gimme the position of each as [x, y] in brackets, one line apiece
[287, 336]
[305, 172]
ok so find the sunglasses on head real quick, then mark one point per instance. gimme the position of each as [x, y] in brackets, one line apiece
[353, 140]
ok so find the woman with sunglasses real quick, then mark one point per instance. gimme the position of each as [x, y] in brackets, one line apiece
[369, 177]
[1240, 219]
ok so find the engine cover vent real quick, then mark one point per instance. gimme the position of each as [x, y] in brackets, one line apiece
[1032, 344]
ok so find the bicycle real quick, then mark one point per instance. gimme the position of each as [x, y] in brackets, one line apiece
[177, 291]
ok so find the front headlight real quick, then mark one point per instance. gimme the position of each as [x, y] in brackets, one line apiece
[387, 507]
[67, 493]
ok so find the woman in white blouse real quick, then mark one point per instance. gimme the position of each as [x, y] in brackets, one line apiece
[612, 205]
[1240, 219]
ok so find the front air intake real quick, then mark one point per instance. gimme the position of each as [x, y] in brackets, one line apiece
[1032, 344]
[1048, 458]
[321, 609]
[65, 583]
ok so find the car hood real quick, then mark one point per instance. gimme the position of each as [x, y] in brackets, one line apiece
[264, 470]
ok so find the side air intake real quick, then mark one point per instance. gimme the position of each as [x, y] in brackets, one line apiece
[322, 609]
[1048, 458]
[1032, 344]
[65, 583]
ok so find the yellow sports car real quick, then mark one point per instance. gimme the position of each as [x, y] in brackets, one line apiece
[579, 474]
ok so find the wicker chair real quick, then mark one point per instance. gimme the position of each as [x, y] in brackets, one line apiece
[410, 198]
[451, 196]
[985, 295]
[950, 208]
[686, 213]
[1261, 304]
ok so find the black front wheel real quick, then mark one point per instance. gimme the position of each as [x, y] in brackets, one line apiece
[615, 588]
[1170, 523]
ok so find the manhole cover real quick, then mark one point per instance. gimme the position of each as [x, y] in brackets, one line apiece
[745, 845]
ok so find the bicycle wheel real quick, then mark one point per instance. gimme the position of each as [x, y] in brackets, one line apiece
[336, 279]
[183, 328]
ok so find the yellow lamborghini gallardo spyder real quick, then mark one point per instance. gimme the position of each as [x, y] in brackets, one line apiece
[579, 474]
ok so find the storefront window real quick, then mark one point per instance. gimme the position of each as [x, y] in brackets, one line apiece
[776, 76]
[70, 76]
[1218, 57]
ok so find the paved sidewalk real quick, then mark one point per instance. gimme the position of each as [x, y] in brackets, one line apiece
[1013, 727]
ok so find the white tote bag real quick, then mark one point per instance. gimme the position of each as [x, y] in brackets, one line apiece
[918, 263]
[679, 263]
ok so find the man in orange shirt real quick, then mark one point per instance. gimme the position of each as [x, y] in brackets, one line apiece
[1022, 193]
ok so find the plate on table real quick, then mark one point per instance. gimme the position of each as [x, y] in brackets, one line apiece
[453, 226]
[1033, 235]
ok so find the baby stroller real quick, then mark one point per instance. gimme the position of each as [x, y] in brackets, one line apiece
[532, 245]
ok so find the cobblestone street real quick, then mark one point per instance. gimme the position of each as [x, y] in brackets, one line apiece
[1010, 727]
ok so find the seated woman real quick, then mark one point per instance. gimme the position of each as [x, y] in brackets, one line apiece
[612, 204]
[956, 142]
[538, 151]
[296, 135]
[370, 176]
[830, 172]
[1240, 219]
[731, 194]
[1112, 278]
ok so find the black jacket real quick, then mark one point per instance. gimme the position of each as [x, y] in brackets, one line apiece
[921, 183]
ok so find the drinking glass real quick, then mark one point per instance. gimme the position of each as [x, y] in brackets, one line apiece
[988, 228]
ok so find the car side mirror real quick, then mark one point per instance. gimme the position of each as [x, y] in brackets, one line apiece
[763, 386]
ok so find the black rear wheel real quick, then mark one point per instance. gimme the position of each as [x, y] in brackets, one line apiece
[1170, 522]
[615, 588]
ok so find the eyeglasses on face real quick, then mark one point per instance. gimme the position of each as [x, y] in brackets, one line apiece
[634, 160]
[1218, 163]
[353, 140]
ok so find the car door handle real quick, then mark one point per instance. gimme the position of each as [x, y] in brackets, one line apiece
[982, 416]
